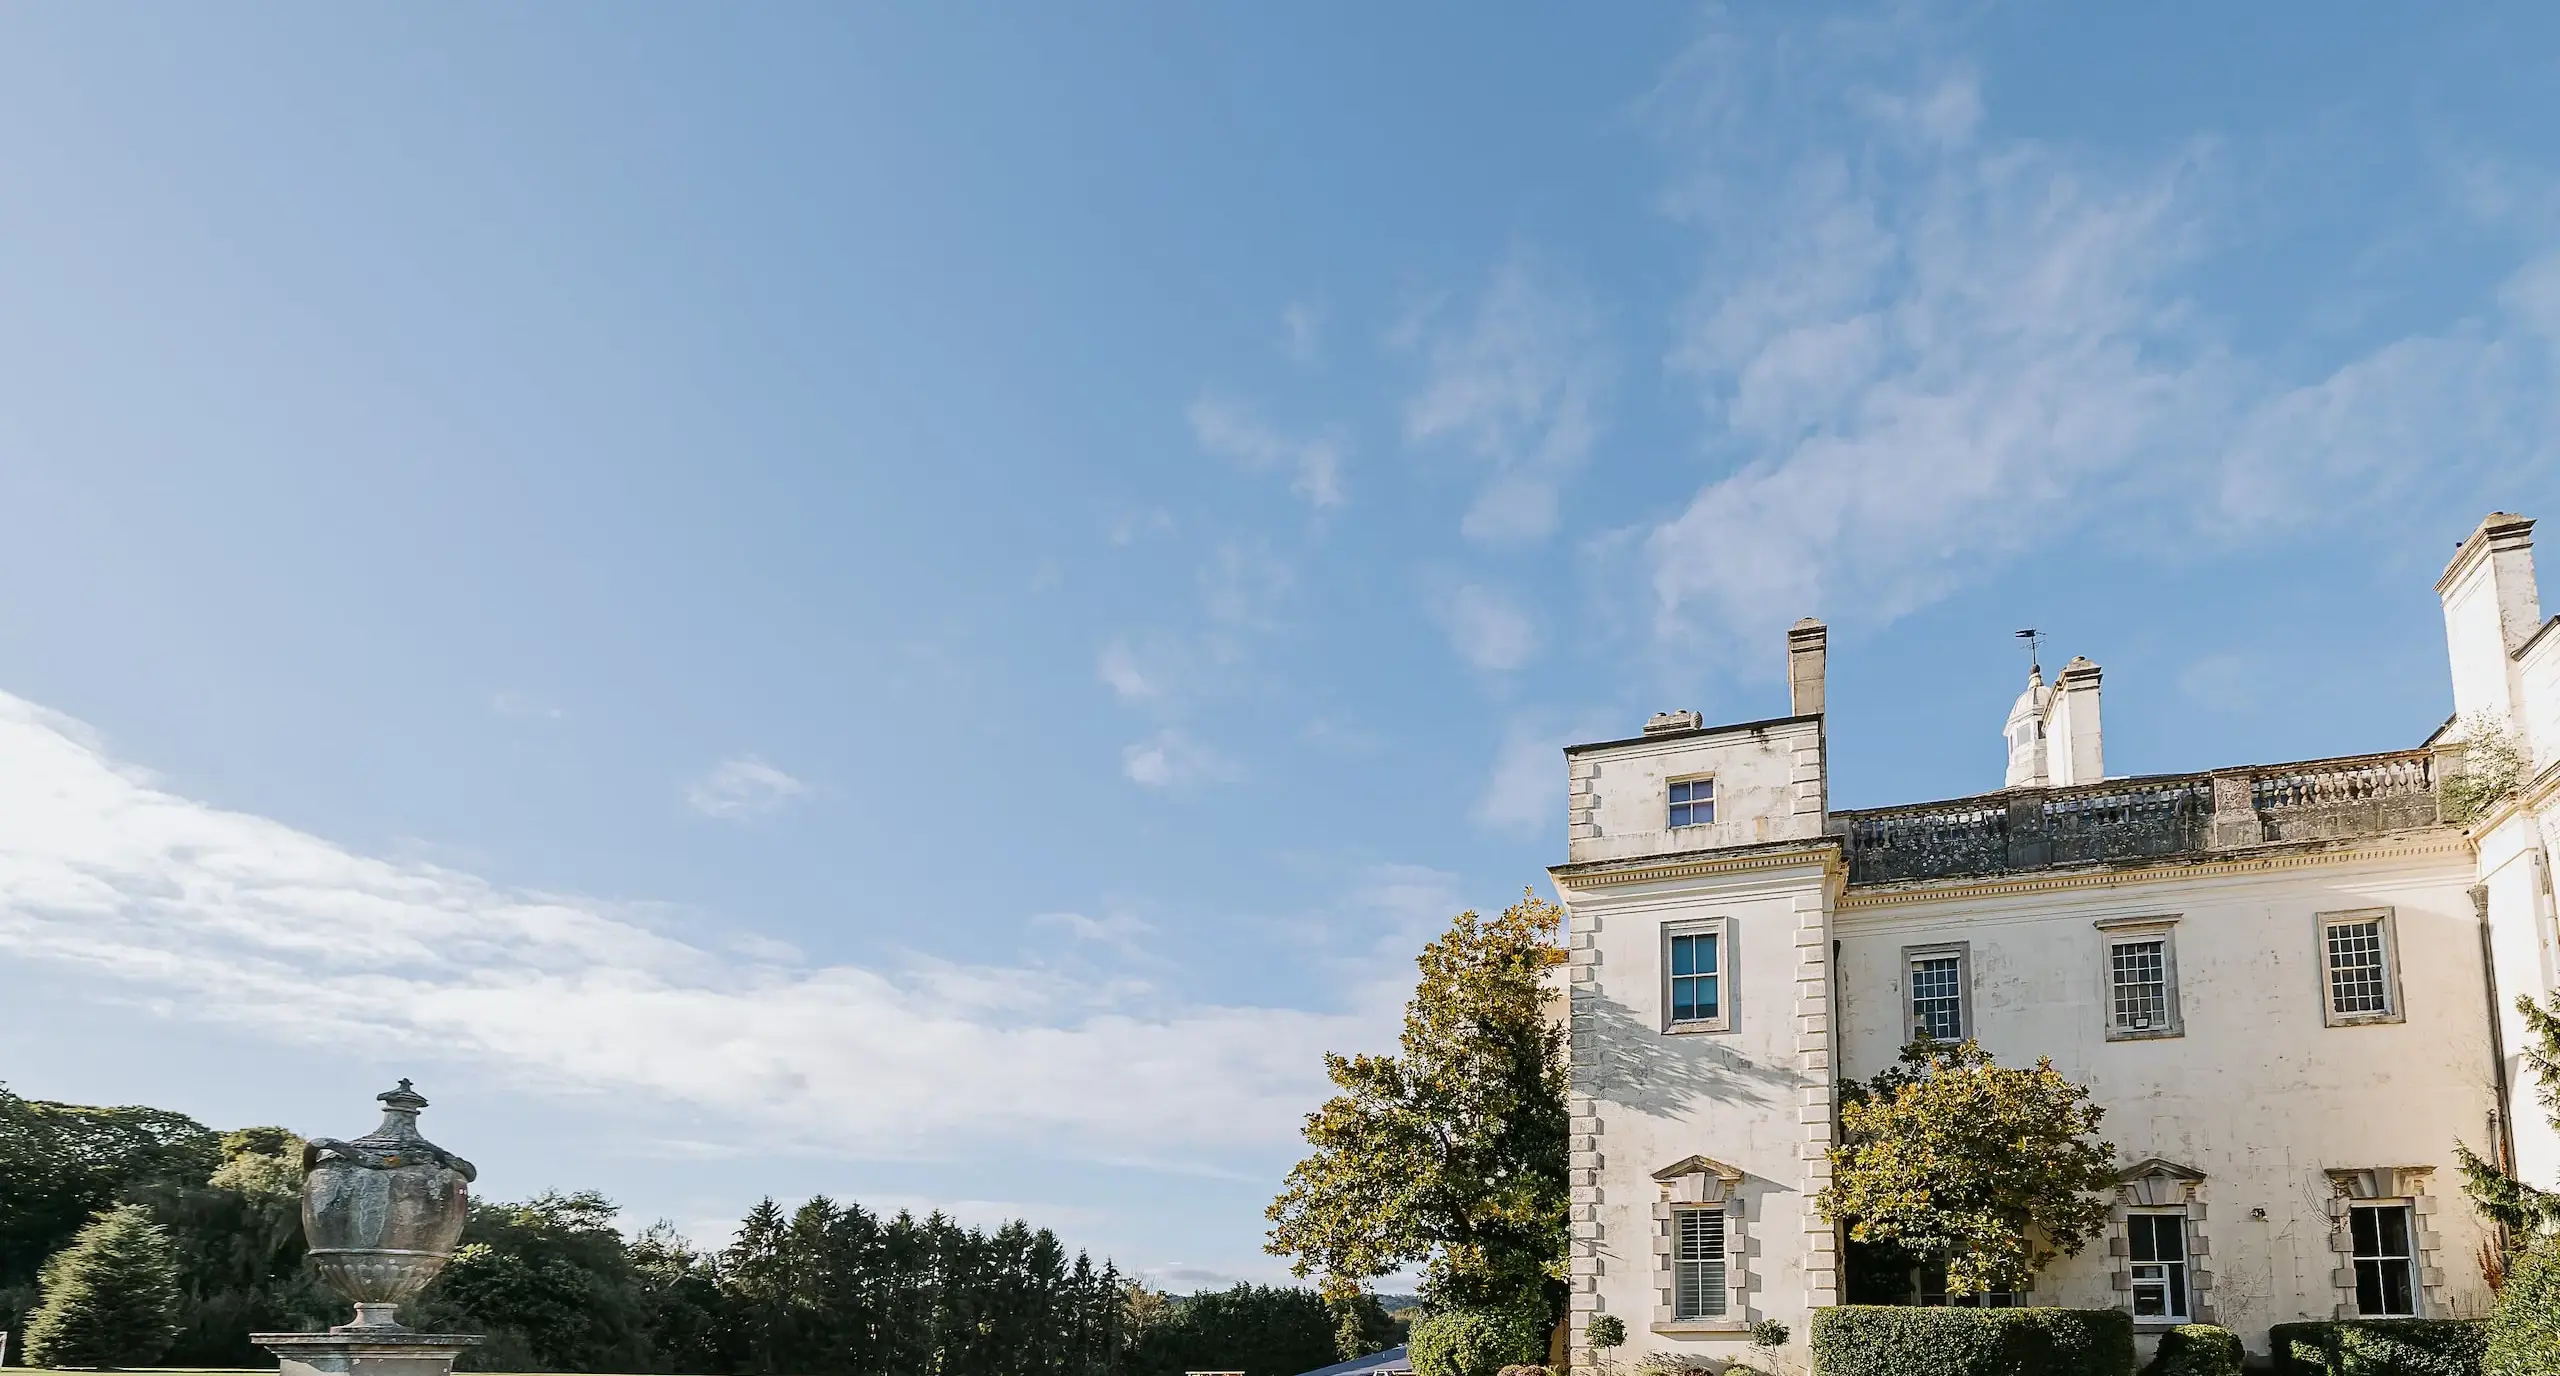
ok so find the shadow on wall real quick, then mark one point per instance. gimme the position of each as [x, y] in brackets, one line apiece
[1621, 1055]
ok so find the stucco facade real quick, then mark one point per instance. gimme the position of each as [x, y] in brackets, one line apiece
[2290, 987]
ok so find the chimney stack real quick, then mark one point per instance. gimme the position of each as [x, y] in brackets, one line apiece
[2491, 610]
[2074, 754]
[1805, 662]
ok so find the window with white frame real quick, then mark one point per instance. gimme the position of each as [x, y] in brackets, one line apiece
[1697, 1264]
[2385, 1260]
[2359, 974]
[2156, 1246]
[1940, 979]
[1696, 996]
[2142, 977]
[1693, 802]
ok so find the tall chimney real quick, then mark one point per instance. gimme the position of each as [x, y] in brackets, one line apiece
[2074, 750]
[2491, 608]
[1805, 657]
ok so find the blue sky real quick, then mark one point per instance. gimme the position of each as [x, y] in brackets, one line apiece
[928, 603]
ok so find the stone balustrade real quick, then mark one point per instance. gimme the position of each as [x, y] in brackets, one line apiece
[2142, 818]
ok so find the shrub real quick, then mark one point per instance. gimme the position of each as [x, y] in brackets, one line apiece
[109, 1297]
[2524, 1333]
[1522, 1369]
[1895, 1340]
[1607, 1330]
[2380, 1347]
[1476, 1342]
[2196, 1349]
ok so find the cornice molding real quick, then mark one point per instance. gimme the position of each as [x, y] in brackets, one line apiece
[1825, 853]
[2006, 886]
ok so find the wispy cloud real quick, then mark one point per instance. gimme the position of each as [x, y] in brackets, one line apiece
[1127, 678]
[512, 704]
[1172, 759]
[1525, 791]
[1922, 352]
[1517, 384]
[1302, 333]
[1488, 629]
[1230, 430]
[1244, 583]
[123, 888]
[741, 787]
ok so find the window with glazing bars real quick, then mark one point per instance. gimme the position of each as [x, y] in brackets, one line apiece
[2138, 974]
[2359, 974]
[2157, 1248]
[2383, 1260]
[1937, 997]
[1696, 995]
[1697, 1279]
[1693, 802]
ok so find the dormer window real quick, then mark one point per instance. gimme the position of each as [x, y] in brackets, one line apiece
[1693, 802]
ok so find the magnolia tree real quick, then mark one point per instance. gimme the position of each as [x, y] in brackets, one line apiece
[1449, 1154]
[1950, 1156]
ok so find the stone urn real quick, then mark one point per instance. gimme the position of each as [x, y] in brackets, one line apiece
[382, 1213]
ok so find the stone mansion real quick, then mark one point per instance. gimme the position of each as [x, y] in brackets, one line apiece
[2291, 986]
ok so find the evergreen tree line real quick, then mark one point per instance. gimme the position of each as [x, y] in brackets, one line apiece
[132, 1236]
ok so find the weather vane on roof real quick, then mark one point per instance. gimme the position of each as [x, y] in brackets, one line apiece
[2035, 661]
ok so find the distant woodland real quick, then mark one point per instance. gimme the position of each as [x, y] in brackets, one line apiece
[823, 1289]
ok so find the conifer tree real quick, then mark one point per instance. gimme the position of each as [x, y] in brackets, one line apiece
[110, 1298]
[2520, 1208]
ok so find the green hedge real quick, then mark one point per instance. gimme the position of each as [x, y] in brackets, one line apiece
[2380, 1347]
[2196, 1349]
[1897, 1340]
[1476, 1342]
[2524, 1335]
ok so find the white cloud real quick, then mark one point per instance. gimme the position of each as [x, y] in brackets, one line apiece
[1230, 430]
[1489, 629]
[1518, 385]
[1302, 333]
[1527, 788]
[1120, 669]
[112, 885]
[740, 787]
[1923, 353]
[1171, 759]
[1243, 585]
[512, 704]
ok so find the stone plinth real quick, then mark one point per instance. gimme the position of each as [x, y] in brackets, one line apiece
[352, 1351]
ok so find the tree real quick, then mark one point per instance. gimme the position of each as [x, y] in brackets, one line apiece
[1951, 1156]
[1451, 1153]
[110, 1298]
[1261, 1330]
[2519, 1208]
[2524, 1331]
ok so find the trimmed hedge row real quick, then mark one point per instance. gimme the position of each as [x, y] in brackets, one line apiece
[1898, 1340]
[2380, 1347]
[2197, 1349]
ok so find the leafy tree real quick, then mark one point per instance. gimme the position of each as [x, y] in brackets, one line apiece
[2514, 1205]
[1261, 1330]
[110, 1297]
[1952, 1156]
[62, 1163]
[1450, 1153]
[550, 1282]
[2524, 1330]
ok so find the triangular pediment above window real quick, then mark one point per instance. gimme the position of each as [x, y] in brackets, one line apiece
[2145, 1169]
[2157, 1182]
[1699, 1165]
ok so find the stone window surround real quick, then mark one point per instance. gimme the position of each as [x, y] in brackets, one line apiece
[2113, 931]
[1709, 779]
[2387, 1185]
[1722, 929]
[2329, 1014]
[2158, 1186]
[1699, 1182]
[1912, 955]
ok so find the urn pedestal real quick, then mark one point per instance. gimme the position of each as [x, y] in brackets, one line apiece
[382, 1215]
